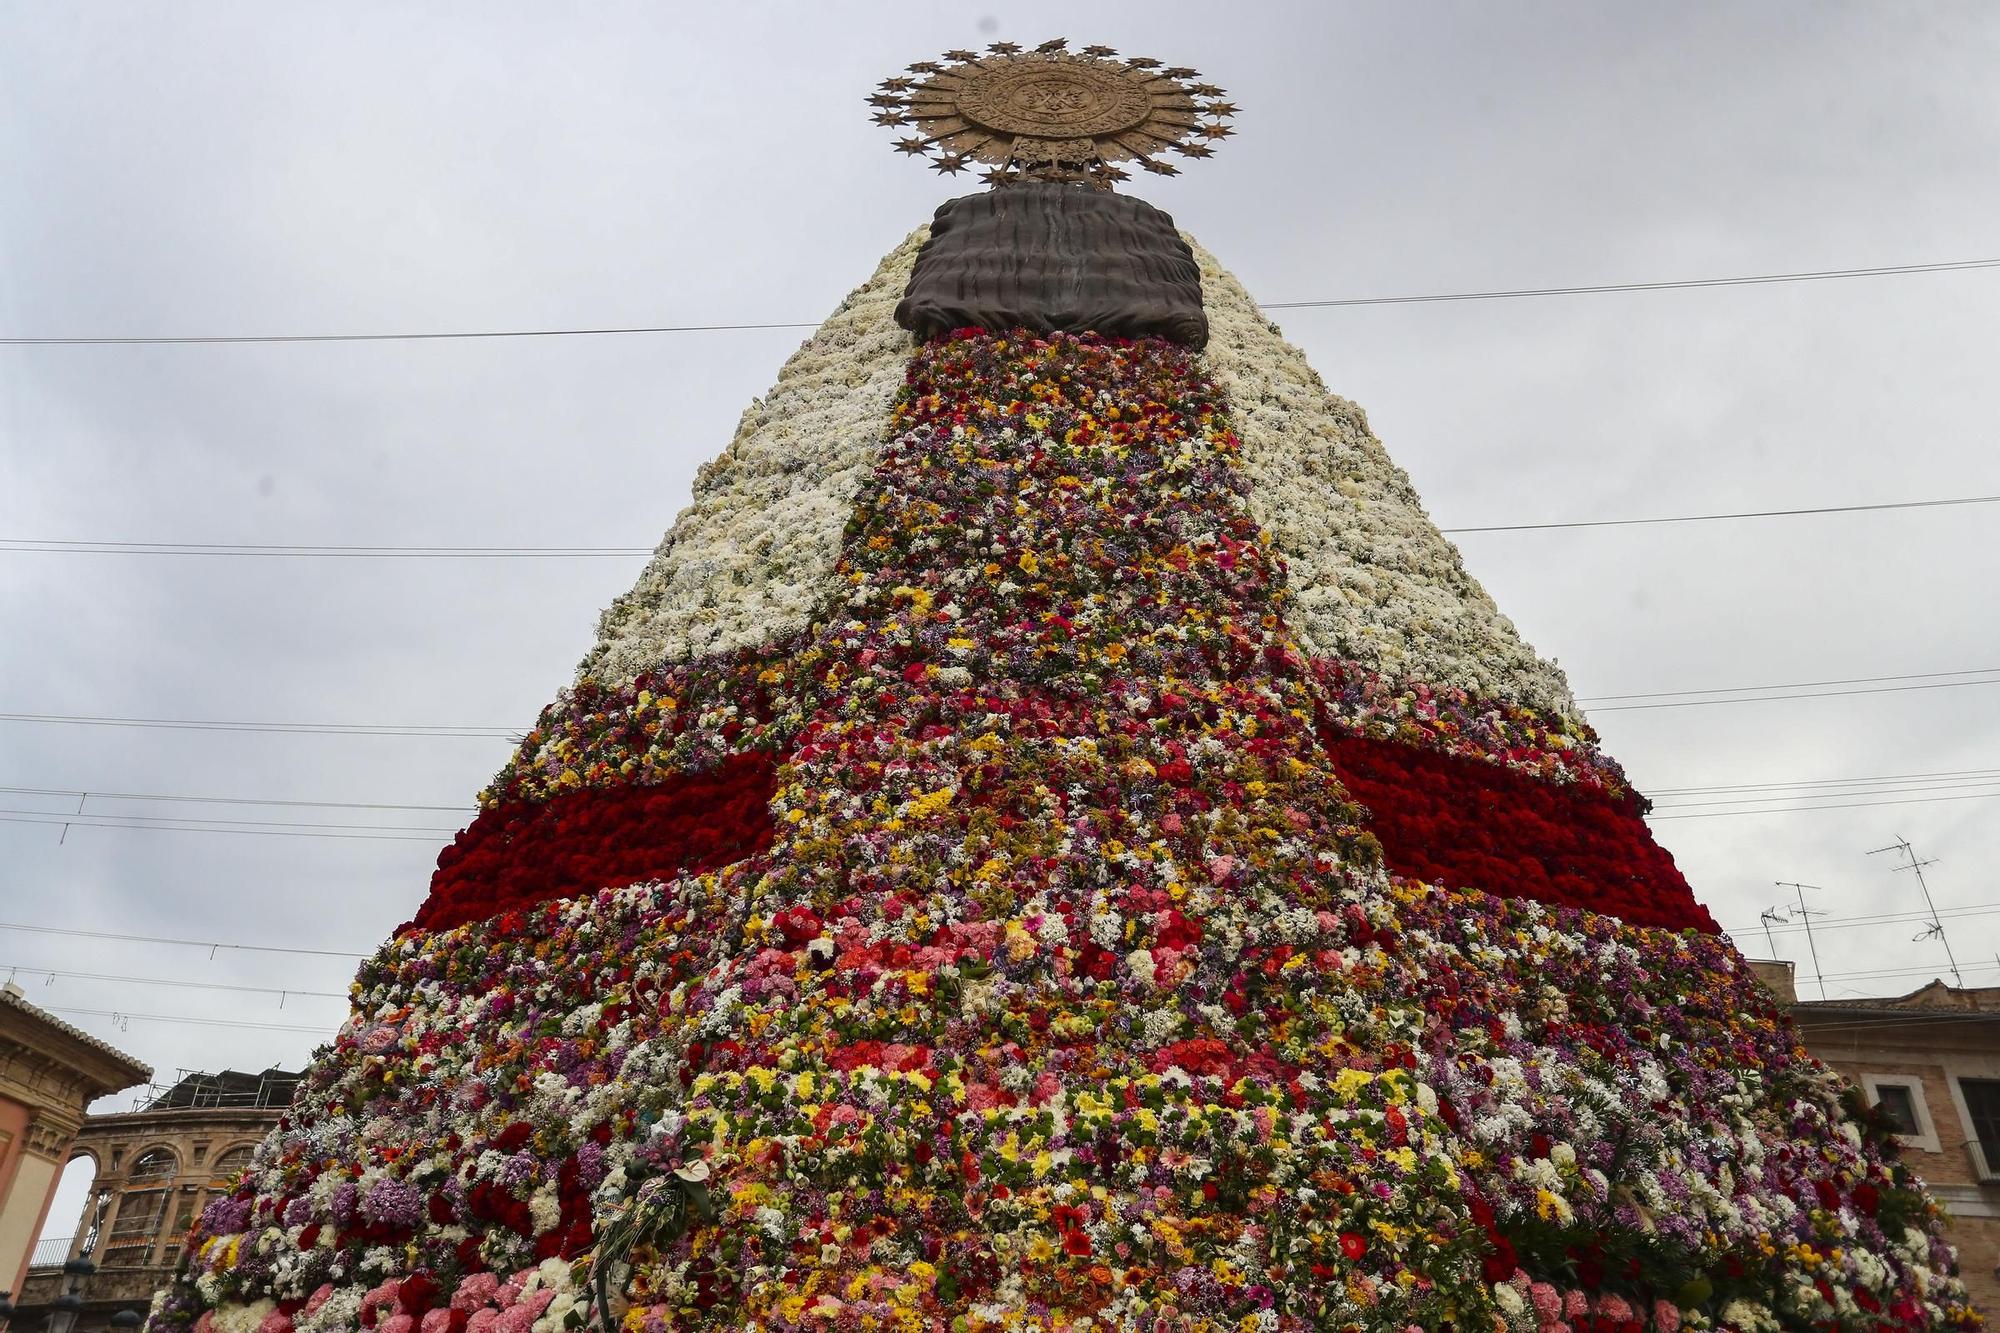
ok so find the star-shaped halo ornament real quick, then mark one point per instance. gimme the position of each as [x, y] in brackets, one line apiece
[1052, 114]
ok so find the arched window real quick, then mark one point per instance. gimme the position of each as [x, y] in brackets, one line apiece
[155, 1164]
[228, 1166]
[141, 1209]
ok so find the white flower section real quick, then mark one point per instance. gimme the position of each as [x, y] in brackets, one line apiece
[752, 558]
[1371, 578]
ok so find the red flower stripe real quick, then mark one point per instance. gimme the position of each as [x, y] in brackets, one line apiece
[1469, 824]
[523, 853]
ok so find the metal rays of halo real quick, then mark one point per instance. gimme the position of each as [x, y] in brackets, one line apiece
[1125, 110]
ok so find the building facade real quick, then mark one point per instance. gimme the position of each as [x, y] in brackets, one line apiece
[1931, 1061]
[49, 1073]
[157, 1167]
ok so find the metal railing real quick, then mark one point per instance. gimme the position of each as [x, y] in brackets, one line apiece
[51, 1252]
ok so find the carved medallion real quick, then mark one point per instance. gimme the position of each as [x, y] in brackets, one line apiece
[1051, 114]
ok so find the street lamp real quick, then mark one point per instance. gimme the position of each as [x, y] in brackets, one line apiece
[64, 1309]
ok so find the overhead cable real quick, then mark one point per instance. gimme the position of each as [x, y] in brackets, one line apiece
[211, 945]
[1508, 294]
[92, 546]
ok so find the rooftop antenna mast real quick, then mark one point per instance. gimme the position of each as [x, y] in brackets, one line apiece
[1806, 914]
[1772, 916]
[1935, 930]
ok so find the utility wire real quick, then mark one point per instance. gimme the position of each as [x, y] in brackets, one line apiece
[70, 821]
[515, 734]
[231, 800]
[1882, 919]
[1806, 809]
[1717, 518]
[286, 991]
[1979, 775]
[1824, 782]
[1681, 801]
[84, 546]
[1747, 280]
[211, 945]
[294, 728]
[210, 338]
[85, 818]
[1769, 698]
[121, 1016]
[1789, 685]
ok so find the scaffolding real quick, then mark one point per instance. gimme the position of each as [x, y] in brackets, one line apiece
[194, 1089]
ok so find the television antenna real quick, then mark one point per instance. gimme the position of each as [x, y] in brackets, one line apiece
[1935, 930]
[1773, 916]
[1806, 914]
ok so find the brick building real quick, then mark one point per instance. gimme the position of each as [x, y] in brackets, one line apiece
[1931, 1061]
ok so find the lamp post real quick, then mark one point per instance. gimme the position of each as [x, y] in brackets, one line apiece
[64, 1309]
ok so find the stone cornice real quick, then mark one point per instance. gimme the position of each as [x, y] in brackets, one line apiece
[40, 1053]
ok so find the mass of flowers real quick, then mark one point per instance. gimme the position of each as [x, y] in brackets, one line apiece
[1039, 936]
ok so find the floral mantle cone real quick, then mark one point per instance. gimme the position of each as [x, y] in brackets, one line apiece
[1056, 839]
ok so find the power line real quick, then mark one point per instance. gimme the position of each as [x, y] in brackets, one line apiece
[75, 821]
[284, 991]
[1845, 793]
[1882, 919]
[211, 338]
[85, 546]
[1825, 782]
[1666, 793]
[1717, 518]
[295, 728]
[1748, 280]
[231, 800]
[211, 945]
[121, 1016]
[514, 734]
[1771, 698]
[1790, 685]
[1679, 284]
[1803, 809]
[83, 818]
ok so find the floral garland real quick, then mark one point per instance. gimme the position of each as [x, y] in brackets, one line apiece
[1070, 990]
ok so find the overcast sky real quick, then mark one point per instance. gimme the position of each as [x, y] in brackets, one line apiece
[259, 168]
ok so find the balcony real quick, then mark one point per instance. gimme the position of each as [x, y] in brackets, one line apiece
[50, 1252]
